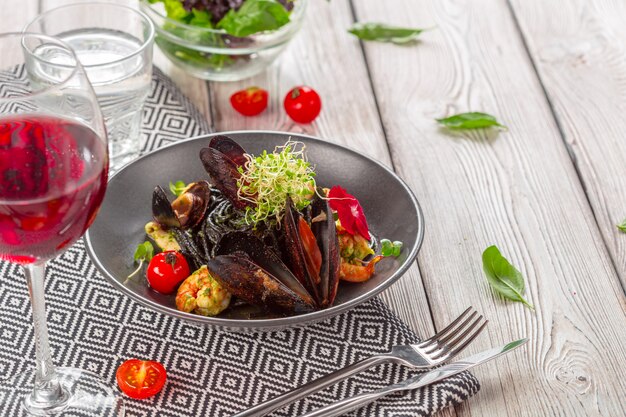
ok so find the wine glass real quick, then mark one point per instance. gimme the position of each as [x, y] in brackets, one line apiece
[53, 175]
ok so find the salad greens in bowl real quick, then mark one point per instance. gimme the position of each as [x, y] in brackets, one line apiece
[224, 40]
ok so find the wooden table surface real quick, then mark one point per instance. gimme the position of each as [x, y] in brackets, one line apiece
[549, 191]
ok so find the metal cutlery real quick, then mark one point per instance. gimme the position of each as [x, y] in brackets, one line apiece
[431, 352]
[418, 381]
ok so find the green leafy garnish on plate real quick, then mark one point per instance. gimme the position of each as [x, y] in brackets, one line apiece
[622, 226]
[389, 248]
[381, 32]
[269, 178]
[143, 253]
[503, 277]
[471, 120]
[254, 16]
[177, 187]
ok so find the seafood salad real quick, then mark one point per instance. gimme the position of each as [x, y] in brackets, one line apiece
[258, 230]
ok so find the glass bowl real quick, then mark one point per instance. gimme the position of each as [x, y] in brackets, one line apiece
[212, 54]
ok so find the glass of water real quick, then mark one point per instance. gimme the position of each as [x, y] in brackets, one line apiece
[114, 44]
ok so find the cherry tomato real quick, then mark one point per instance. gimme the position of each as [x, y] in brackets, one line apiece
[166, 271]
[140, 379]
[249, 102]
[303, 104]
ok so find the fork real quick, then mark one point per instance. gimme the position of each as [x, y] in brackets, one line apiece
[429, 353]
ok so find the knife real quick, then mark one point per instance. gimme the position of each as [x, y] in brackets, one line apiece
[418, 381]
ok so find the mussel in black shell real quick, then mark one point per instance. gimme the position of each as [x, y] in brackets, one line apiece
[252, 271]
[222, 160]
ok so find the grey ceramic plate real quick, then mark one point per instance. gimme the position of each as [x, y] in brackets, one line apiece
[391, 209]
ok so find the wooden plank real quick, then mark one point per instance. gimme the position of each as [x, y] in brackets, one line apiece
[518, 190]
[15, 17]
[582, 65]
[14, 20]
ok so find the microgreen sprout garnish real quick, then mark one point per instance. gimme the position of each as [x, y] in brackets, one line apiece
[389, 248]
[177, 187]
[143, 253]
[266, 181]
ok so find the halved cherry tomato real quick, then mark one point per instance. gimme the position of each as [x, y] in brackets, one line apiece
[166, 271]
[249, 102]
[140, 379]
[303, 104]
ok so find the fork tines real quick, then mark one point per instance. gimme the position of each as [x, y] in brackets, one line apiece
[453, 338]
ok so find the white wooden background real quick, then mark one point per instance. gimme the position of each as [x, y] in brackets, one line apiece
[548, 191]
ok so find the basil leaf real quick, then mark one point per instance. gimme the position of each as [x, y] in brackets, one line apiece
[384, 33]
[144, 252]
[253, 17]
[472, 120]
[177, 187]
[503, 277]
[622, 226]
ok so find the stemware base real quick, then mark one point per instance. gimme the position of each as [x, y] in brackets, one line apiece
[87, 395]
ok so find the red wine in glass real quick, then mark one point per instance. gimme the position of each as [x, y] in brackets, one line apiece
[53, 174]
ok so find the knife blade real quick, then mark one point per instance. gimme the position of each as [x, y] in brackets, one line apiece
[415, 382]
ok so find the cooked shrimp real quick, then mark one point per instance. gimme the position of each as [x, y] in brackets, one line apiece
[353, 246]
[358, 273]
[200, 293]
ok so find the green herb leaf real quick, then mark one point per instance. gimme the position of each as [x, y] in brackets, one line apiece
[144, 252]
[622, 226]
[175, 10]
[472, 120]
[177, 187]
[253, 17]
[200, 18]
[397, 248]
[384, 33]
[503, 277]
[388, 248]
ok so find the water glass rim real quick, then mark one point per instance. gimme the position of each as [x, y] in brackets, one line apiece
[44, 90]
[145, 44]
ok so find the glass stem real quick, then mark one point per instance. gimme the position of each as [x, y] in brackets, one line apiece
[47, 390]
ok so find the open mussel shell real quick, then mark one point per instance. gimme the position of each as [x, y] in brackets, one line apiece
[294, 252]
[229, 148]
[191, 209]
[191, 205]
[224, 174]
[264, 257]
[245, 279]
[162, 211]
[325, 232]
[186, 211]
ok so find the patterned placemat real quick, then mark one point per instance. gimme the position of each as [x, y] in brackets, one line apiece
[210, 373]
